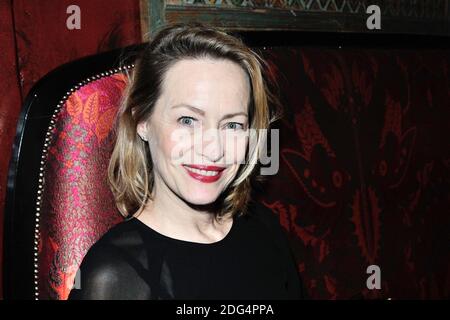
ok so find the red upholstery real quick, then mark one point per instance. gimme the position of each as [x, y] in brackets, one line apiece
[78, 206]
[364, 172]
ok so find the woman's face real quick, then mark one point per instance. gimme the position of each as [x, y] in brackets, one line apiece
[198, 131]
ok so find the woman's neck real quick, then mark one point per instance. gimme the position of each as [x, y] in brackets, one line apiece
[171, 216]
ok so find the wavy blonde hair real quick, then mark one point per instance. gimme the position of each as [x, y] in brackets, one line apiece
[130, 169]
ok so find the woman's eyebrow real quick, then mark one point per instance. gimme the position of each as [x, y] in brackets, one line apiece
[231, 115]
[194, 109]
[202, 113]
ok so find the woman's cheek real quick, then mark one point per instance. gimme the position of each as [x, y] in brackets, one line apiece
[176, 146]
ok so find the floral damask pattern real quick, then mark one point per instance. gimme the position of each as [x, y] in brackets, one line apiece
[364, 170]
[78, 206]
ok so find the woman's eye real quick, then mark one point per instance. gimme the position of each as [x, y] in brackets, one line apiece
[187, 121]
[235, 126]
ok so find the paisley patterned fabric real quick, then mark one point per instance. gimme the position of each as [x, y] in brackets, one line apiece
[364, 172]
[78, 206]
[364, 169]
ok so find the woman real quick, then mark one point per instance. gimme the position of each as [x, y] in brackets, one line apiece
[183, 165]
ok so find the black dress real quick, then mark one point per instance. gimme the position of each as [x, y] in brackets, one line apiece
[133, 261]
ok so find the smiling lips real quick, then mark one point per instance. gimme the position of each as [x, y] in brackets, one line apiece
[205, 174]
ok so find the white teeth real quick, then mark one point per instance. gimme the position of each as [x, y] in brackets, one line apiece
[203, 172]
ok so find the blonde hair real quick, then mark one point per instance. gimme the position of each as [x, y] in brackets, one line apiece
[130, 169]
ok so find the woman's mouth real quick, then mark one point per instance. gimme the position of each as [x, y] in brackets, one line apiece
[205, 174]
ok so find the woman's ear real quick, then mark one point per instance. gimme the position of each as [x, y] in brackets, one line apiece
[142, 130]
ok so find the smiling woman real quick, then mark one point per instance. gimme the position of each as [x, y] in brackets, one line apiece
[181, 173]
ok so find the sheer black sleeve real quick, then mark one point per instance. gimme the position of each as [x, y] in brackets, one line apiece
[110, 273]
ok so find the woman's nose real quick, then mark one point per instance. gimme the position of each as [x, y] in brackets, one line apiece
[211, 146]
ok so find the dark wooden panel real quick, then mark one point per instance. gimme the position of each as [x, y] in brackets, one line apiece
[405, 17]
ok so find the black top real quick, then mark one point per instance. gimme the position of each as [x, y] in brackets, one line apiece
[133, 261]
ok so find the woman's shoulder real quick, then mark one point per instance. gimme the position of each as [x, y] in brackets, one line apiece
[115, 254]
[262, 214]
[124, 234]
[271, 223]
[267, 221]
[119, 242]
[116, 238]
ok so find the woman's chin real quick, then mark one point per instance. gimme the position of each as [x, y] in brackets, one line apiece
[201, 199]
